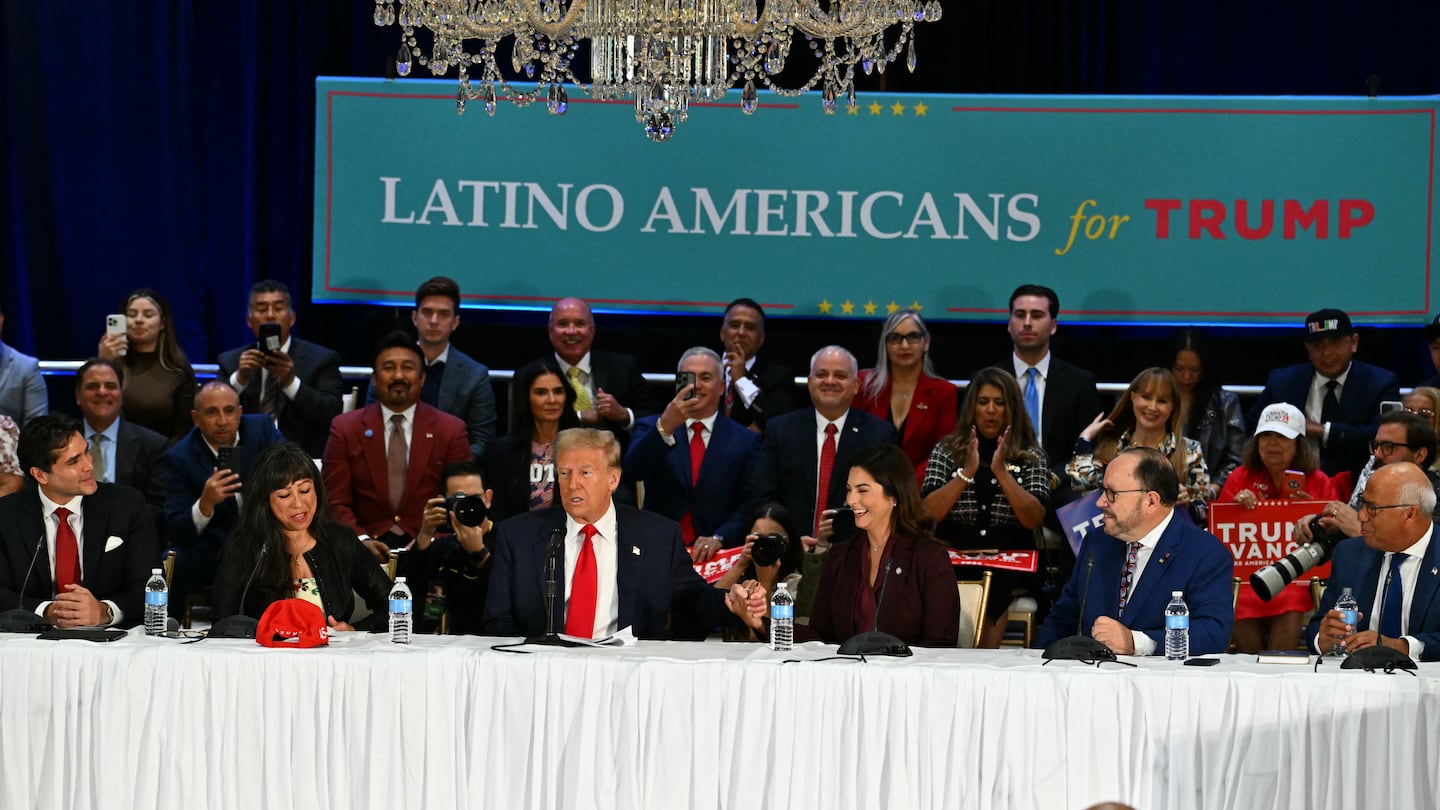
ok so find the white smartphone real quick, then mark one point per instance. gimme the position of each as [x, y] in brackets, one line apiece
[1390, 405]
[115, 325]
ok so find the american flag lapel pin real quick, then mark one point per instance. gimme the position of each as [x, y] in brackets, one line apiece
[1434, 571]
[635, 550]
[429, 435]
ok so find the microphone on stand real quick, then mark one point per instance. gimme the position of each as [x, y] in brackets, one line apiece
[240, 625]
[21, 620]
[552, 593]
[1080, 647]
[1379, 657]
[875, 642]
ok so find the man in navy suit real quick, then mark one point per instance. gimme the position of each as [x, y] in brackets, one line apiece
[1124, 577]
[454, 382]
[1340, 396]
[81, 550]
[297, 384]
[694, 461]
[789, 465]
[1395, 548]
[618, 567]
[201, 507]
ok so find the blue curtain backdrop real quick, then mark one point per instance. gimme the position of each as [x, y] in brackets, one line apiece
[169, 144]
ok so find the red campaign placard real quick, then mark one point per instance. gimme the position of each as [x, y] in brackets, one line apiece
[1027, 561]
[714, 568]
[1263, 535]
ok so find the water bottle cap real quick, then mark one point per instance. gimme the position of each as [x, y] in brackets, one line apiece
[155, 570]
[1177, 594]
[780, 586]
[399, 580]
[1344, 591]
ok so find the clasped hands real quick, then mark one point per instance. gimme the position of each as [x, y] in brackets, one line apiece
[77, 607]
[750, 602]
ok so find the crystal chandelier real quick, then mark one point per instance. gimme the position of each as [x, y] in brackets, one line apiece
[664, 54]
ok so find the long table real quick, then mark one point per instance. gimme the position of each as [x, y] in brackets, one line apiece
[450, 723]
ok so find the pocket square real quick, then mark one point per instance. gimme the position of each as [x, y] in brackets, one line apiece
[112, 542]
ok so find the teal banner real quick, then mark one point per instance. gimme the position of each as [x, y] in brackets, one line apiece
[1135, 209]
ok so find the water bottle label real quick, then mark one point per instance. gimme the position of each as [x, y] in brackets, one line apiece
[160, 598]
[1350, 617]
[1177, 622]
[778, 612]
[400, 606]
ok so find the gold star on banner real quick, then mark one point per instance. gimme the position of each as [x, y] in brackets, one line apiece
[847, 307]
[875, 108]
[825, 307]
[891, 307]
[897, 109]
[915, 305]
[852, 109]
[870, 307]
[920, 109]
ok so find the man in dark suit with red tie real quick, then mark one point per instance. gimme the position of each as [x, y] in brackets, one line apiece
[617, 567]
[383, 462]
[80, 550]
[694, 461]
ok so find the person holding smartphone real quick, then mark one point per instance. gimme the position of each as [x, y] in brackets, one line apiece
[158, 381]
[1278, 463]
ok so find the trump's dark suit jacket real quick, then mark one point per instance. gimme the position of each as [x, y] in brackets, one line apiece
[306, 419]
[716, 502]
[1358, 417]
[1358, 567]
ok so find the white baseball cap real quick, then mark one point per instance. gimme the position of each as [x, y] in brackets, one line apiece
[1282, 418]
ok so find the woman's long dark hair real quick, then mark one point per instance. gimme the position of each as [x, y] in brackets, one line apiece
[278, 467]
[522, 419]
[1193, 339]
[172, 357]
[891, 469]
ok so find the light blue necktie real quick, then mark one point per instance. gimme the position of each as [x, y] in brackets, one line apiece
[1032, 398]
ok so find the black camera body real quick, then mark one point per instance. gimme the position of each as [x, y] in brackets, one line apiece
[842, 525]
[768, 549]
[469, 510]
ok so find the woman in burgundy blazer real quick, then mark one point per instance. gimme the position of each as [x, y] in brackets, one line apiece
[892, 567]
[904, 389]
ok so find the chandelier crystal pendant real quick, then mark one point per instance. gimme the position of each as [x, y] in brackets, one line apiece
[663, 54]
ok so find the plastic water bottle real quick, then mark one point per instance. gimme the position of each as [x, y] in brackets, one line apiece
[1349, 613]
[782, 618]
[157, 603]
[1177, 628]
[401, 612]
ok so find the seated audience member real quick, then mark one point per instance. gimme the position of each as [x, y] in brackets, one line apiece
[904, 389]
[987, 485]
[1278, 447]
[383, 462]
[805, 457]
[297, 385]
[1424, 402]
[12, 478]
[159, 382]
[618, 567]
[22, 390]
[1339, 395]
[1400, 437]
[1389, 569]
[609, 391]
[454, 382]
[296, 549]
[201, 507]
[453, 556]
[695, 462]
[99, 539]
[1148, 415]
[921, 604]
[124, 452]
[775, 523]
[521, 467]
[1146, 552]
[1213, 415]
[757, 389]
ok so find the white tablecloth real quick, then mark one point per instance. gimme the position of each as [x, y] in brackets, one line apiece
[448, 723]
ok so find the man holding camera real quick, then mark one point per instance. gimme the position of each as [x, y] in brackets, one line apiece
[695, 461]
[294, 382]
[449, 561]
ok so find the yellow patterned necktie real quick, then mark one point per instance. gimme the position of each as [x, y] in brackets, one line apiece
[582, 394]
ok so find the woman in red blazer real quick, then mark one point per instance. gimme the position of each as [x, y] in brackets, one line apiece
[904, 388]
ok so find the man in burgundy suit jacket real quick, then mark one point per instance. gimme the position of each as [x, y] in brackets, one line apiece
[359, 467]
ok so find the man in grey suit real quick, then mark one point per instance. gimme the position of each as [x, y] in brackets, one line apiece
[123, 452]
[296, 383]
[22, 392]
[454, 382]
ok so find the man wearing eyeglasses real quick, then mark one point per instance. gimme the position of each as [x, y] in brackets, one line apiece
[1400, 437]
[1123, 578]
[1391, 568]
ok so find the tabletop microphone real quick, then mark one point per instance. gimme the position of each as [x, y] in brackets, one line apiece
[552, 592]
[1080, 647]
[240, 625]
[1379, 657]
[21, 620]
[875, 642]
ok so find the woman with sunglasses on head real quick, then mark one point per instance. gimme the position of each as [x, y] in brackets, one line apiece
[904, 388]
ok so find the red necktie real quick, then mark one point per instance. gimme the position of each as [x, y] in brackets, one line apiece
[827, 466]
[67, 553]
[584, 589]
[697, 453]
